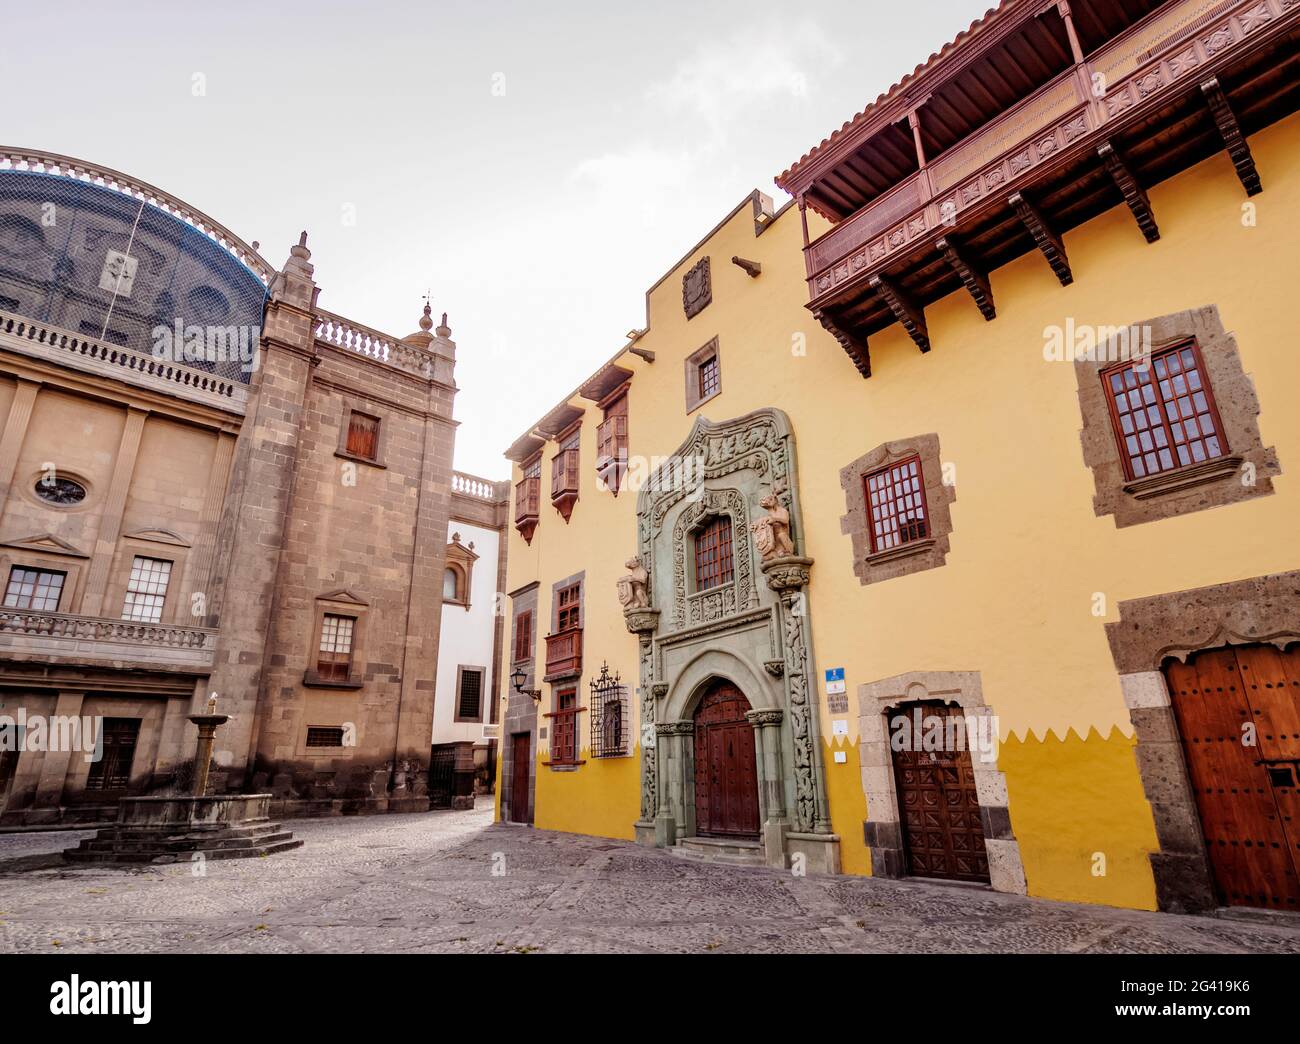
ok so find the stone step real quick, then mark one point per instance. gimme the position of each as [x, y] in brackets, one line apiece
[78, 855]
[183, 843]
[727, 851]
[251, 828]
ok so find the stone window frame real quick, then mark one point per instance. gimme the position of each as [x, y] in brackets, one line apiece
[350, 407]
[694, 362]
[1150, 632]
[1196, 487]
[916, 555]
[482, 693]
[337, 603]
[882, 829]
[460, 560]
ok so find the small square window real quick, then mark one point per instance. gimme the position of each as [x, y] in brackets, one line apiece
[896, 508]
[324, 736]
[34, 589]
[703, 375]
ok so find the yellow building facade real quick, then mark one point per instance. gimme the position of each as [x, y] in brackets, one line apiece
[971, 533]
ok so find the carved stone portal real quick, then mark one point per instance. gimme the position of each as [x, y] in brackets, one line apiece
[752, 633]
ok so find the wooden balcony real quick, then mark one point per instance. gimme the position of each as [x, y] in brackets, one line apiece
[564, 481]
[563, 654]
[528, 500]
[1191, 78]
[611, 452]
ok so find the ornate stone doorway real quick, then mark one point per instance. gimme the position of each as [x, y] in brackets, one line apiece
[726, 774]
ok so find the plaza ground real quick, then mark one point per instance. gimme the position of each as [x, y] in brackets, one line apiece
[453, 882]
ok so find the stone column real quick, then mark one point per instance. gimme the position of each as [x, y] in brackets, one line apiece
[664, 822]
[643, 623]
[54, 766]
[771, 782]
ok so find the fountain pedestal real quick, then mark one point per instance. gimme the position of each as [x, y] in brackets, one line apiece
[175, 828]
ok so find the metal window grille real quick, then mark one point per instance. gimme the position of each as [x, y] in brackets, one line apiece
[471, 694]
[710, 378]
[335, 658]
[609, 716]
[146, 591]
[713, 560]
[34, 589]
[896, 502]
[324, 736]
[1164, 413]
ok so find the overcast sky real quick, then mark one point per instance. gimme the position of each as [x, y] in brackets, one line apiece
[537, 166]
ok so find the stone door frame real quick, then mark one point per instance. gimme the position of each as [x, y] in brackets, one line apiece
[882, 829]
[1263, 610]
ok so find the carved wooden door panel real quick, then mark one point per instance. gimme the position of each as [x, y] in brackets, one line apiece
[1238, 713]
[520, 767]
[726, 772]
[938, 805]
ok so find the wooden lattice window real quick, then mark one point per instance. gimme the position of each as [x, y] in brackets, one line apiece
[34, 589]
[564, 728]
[896, 505]
[524, 636]
[569, 611]
[146, 590]
[713, 560]
[1163, 412]
[334, 660]
[324, 735]
[469, 698]
[363, 436]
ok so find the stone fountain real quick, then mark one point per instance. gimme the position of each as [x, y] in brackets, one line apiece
[173, 828]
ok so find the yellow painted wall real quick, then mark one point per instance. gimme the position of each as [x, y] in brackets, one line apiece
[1015, 599]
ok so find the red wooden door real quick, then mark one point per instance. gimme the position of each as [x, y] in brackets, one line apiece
[1248, 794]
[938, 805]
[726, 774]
[521, 768]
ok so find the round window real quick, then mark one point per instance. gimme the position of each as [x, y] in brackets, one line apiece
[61, 491]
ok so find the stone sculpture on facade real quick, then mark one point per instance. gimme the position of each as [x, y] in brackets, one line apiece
[772, 531]
[633, 588]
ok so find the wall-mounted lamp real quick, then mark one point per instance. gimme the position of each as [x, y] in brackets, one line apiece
[517, 680]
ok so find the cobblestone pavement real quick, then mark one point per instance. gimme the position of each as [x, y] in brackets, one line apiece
[421, 883]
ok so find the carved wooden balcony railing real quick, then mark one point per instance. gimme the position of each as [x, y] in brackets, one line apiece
[528, 500]
[1158, 76]
[563, 654]
[30, 634]
[611, 451]
[564, 481]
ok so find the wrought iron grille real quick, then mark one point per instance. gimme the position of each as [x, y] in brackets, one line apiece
[610, 727]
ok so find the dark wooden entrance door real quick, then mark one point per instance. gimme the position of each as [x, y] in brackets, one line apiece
[937, 802]
[520, 767]
[1248, 795]
[112, 772]
[726, 774]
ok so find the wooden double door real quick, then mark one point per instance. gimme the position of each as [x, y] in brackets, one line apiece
[726, 771]
[939, 809]
[1238, 713]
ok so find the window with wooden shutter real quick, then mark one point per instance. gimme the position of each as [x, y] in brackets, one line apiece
[568, 614]
[524, 636]
[469, 694]
[564, 728]
[363, 436]
[334, 660]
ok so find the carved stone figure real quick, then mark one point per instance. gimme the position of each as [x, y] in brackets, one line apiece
[772, 531]
[633, 588]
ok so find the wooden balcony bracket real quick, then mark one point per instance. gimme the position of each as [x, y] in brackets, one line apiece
[855, 347]
[1047, 241]
[975, 281]
[1235, 142]
[905, 310]
[1134, 195]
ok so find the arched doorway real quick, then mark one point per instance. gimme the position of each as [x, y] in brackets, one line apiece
[1238, 714]
[726, 773]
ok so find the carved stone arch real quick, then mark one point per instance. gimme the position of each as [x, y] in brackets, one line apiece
[711, 665]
